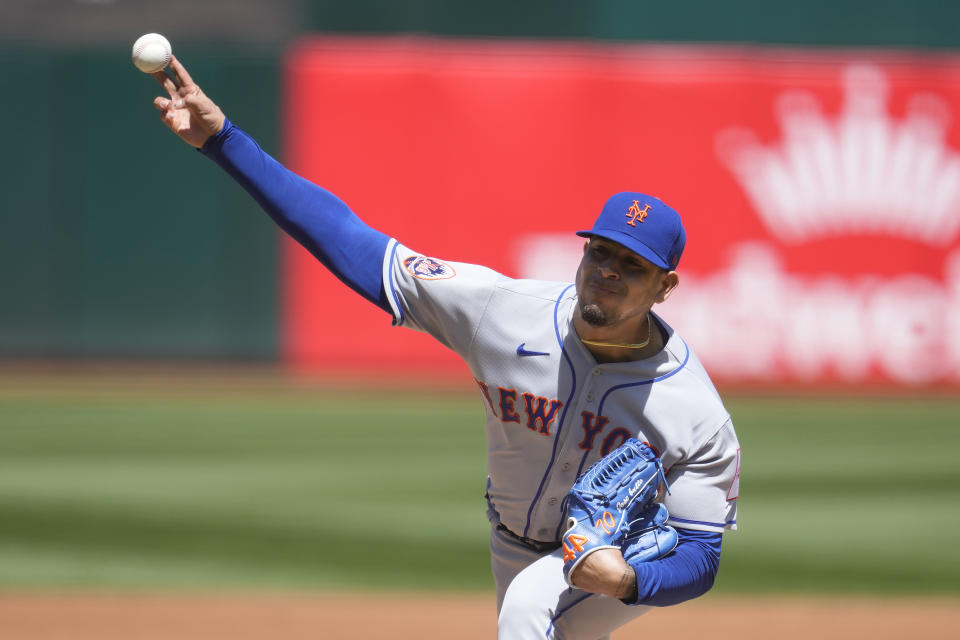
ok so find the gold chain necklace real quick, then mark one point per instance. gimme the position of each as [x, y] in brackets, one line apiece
[621, 345]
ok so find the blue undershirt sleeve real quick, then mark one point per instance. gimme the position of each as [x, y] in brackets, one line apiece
[311, 215]
[685, 574]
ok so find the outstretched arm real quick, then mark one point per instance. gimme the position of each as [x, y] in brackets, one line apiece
[313, 216]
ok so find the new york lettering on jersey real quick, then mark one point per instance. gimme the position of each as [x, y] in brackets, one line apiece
[559, 411]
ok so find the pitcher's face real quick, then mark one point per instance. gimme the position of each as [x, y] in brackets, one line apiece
[616, 285]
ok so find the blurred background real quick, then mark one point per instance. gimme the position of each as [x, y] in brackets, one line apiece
[184, 393]
[112, 231]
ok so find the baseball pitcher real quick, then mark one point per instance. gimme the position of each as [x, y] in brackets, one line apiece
[613, 467]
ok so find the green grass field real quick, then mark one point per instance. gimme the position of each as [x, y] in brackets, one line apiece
[182, 482]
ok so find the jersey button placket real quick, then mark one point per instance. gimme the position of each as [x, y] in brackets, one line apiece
[570, 449]
[590, 396]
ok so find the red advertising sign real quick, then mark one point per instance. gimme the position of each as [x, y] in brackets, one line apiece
[820, 191]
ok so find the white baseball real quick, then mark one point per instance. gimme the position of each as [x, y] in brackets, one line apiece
[151, 52]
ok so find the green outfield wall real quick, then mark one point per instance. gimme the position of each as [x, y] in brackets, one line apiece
[118, 242]
[925, 23]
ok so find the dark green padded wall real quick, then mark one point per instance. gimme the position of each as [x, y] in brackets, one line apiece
[921, 23]
[118, 240]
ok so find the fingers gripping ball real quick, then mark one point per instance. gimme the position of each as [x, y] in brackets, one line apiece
[649, 537]
[151, 52]
[606, 499]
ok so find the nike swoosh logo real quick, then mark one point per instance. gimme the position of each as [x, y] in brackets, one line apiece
[521, 351]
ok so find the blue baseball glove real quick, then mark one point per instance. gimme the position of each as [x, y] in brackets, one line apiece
[607, 498]
[649, 537]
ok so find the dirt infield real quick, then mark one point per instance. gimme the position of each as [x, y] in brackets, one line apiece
[359, 617]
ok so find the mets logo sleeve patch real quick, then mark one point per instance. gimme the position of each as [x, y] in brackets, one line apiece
[445, 299]
[428, 268]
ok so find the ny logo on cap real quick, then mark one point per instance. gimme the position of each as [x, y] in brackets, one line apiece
[635, 213]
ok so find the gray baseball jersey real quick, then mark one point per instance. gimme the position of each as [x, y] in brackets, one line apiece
[552, 410]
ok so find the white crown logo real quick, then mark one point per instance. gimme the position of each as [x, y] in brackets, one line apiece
[861, 173]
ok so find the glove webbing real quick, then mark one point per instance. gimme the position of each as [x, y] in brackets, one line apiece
[618, 463]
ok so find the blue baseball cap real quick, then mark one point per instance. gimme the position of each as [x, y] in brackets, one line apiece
[643, 224]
